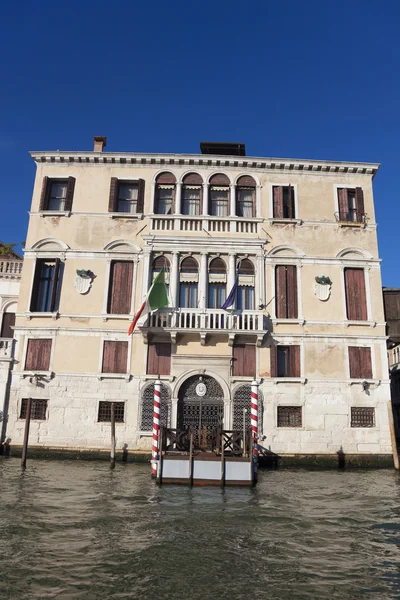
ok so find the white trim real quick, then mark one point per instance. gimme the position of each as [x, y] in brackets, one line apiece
[37, 245]
[111, 245]
[219, 172]
[298, 253]
[362, 253]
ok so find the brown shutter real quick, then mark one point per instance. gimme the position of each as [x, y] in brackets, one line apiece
[278, 201]
[343, 204]
[249, 360]
[113, 199]
[238, 360]
[164, 359]
[356, 301]
[38, 355]
[152, 359]
[122, 357]
[294, 361]
[70, 193]
[55, 285]
[291, 292]
[354, 362]
[291, 202]
[120, 289]
[359, 204]
[281, 292]
[274, 361]
[140, 197]
[44, 194]
[365, 363]
[115, 357]
[8, 322]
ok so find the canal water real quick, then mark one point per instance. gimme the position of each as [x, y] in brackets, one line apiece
[71, 529]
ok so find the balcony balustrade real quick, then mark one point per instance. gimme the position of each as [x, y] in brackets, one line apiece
[6, 348]
[210, 224]
[10, 269]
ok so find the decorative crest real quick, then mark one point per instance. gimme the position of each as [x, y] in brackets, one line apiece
[323, 288]
[83, 280]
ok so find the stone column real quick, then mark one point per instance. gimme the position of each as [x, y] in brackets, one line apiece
[178, 193]
[258, 201]
[205, 199]
[260, 279]
[233, 201]
[231, 275]
[174, 279]
[145, 272]
[203, 280]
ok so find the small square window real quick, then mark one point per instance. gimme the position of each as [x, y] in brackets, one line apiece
[105, 412]
[362, 417]
[38, 409]
[289, 416]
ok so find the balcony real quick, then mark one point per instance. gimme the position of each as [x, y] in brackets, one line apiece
[208, 224]
[10, 269]
[6, 349]
[206, 322]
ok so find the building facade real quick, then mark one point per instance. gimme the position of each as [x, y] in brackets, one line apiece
[296, 237]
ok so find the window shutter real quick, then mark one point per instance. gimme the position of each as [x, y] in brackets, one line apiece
[35, 287]
[8, 322]
[365, 363]
[55, 285]
[278, 201]
[70, 193]
[359, 204]
[291, 202]
[122, 357]
[140, 197]
[120, 294]
[113, 200]
[164, 359]
[291, 292]
[281, 292]
[238, 360]
[354, 362]
[115, 357]
[343, 204]
[152, 360]
[356, 302]
[294, 361]
[274, 361]
[44, 194]
[249, 360]
[38, 355]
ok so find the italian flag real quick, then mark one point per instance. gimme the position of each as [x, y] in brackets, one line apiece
[157, 297]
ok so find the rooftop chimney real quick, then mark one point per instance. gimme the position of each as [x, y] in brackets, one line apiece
[99, 143]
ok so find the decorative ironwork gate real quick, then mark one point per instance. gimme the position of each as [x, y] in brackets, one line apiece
[203, 414]
[241, 403]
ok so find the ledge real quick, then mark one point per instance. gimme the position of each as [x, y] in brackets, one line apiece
[24, 374]
[288, 321]
[125, 376]
[360, 323]
[107, 317]
[43, 315]
[149, 377]
[121, 215]
[301, 380]
[54, 213]
[375, 382]
[283, 221]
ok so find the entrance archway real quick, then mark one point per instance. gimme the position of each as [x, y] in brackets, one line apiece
[204, 414]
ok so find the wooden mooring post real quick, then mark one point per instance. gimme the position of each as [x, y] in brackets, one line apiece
[26, 434]
[112, 463]
[393, 435]
[191, 460]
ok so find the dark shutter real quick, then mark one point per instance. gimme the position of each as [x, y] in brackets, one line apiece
[44, 194]
[291, 292]
[164, 359]
[8, 322]
[290, 202]
[70, 193]
[278, 201]
[354, 362]
[120, 289]
[294, 361]
[274, 361]
[38, 355]
[140, 196]
[113, 198]
[280, 294]
[343, 204]
[152, 360]
[244, 360]
[115, 357]
[360, 363]
[238, 359]
[53, 300]
[356, 301]
[359, 204]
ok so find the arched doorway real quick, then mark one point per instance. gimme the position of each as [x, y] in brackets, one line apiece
[201, 407]
[242, 408]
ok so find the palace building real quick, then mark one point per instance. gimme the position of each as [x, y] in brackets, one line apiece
[296, 239]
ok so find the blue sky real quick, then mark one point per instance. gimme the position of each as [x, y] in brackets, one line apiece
[307, 79]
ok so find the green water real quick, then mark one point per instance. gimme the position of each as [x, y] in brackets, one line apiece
[70, 529]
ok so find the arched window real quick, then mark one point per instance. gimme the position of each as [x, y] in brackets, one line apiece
[216, 283]
[164, 202]
[242, 402]
[188, 283]
[245, 291]
[246, 197]
[219, 196]
[147, 408]
[192, 194]
[158, 263]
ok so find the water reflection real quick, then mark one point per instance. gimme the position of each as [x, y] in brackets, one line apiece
[78, 530]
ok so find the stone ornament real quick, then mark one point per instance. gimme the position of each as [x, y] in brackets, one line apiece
[201, 388]
[83, 281]
[323, 288]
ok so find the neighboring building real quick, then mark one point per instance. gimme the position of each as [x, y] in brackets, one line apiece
[391, 299]
[10, 275]
[308, 320]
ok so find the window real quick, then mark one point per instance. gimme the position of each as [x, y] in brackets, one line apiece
[57, 194]
[115, 357]
[244, 360]
[38, 409]
[286, 292]
[362, 417]
[120, 288]
[192, 194]
[289, 416]
[38, 355]
[216, 283]
[219, 195]
[360, 362]
[159, 358]
[46, 285]
[126, 196]
[147, 408]
[104, 414]
[283, 202]
[242, 408]
[351, 205]
[189, 277]
[356, 301]
[285, 361]
[161, 262]
[246, 197]
[245, 291]
[165, 194]
[7, 325]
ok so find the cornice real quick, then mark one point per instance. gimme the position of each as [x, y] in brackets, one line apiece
[204, 160]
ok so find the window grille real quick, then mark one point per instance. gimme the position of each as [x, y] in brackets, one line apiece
[146, 419]
[38, 409]
[362, 417]
[289, 416]
[105, 412]
[242, 400]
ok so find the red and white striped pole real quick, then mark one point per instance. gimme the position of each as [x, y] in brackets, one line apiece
[156, 427]
[254, 413]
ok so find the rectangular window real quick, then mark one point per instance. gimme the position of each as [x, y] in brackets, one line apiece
[245, 297]
[57, 194]
[7, 324]
[244, 360]
[104, 414]
[285, 361]
[46, 285]
[216, 295]
[283, 202]
[219, 197]
[159, 358]
[362, 417]
[38, 409]
[360, 362]
[127, 197]
[164, 199]
[245, 202]
[38, 355]
[289, 416]
[286, 292]
[120, 288]
[188, 294]
[115, 357]
[191, 197]
[356, 300]
[351, 205]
